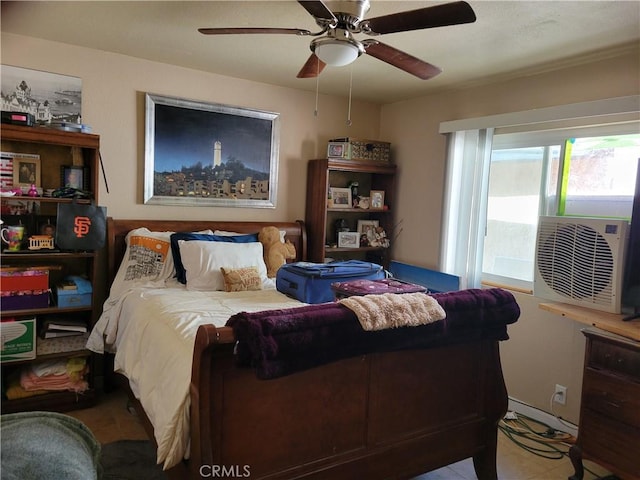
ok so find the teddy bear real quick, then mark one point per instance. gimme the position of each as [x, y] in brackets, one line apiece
[276, 252]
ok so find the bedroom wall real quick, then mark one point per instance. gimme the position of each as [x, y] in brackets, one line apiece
[113, 88]
[544, 349]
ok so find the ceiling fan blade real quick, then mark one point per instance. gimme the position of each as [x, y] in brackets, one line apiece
[401, 60]
[312, 67]
[227, 31]
[453, 13]
[318, 9]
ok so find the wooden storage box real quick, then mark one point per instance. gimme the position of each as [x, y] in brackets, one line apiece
[18, 340]
[357, 149]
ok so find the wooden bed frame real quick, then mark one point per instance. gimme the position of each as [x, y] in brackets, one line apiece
[376, 416]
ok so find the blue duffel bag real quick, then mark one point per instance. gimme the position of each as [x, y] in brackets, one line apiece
[311, 282]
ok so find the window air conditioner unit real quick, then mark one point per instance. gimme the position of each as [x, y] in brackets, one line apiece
[581, 261]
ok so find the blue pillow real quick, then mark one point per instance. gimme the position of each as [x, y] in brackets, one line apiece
[181, 273]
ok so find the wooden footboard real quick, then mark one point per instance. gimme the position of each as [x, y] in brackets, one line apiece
[381, 415]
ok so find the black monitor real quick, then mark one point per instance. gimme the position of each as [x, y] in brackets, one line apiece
[631, 286]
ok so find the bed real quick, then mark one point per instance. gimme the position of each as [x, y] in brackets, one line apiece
[339, 403]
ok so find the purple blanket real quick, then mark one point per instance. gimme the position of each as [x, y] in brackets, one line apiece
[281, 342]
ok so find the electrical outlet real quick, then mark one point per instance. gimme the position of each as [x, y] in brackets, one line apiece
[560, 395]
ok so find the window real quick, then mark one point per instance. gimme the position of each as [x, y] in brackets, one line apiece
[515, 200]
[601, 174]
[596, 178]
[504, 171]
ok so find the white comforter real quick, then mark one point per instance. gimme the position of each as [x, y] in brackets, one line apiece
[152, 332]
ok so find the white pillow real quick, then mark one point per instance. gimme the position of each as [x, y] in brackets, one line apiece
[202, 261]
[147, 260]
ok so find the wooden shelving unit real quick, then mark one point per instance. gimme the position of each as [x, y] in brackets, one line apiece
[55, 149]
[320, 219]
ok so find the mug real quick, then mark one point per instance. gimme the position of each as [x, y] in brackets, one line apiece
[13, 237]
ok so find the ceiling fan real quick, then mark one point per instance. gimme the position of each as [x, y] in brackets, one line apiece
[335, 44]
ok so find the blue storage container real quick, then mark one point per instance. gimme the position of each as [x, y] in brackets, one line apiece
[75, 298]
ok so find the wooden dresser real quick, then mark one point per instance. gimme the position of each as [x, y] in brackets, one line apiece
[609, 431]
[609, 427]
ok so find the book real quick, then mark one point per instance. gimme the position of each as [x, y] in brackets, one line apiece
[64, 325]
[68, 285]
[58, 333]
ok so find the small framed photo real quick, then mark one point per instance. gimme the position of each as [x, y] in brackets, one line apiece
[367, 228]
[348, 239]
[376, 201]
[74, 176]
[363, 203]
[46, 227]
[340, 197]
[26, 171]
[338, 150]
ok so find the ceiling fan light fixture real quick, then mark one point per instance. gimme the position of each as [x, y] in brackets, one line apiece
[336, 52]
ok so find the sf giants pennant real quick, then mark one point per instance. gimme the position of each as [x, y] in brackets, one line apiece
[80, 226]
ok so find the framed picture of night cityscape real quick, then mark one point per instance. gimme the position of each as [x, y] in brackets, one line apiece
[207, 154]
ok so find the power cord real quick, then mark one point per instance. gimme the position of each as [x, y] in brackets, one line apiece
[544, 442]
[539, 439]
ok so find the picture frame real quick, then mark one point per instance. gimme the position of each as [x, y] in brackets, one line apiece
[74, 176]
[59, 97]
[46, 226]
[367, 228]
[363, 203]
[348, 239]
[338, 150]
[376, 201]
[340, 197]
[209, 154]
[26, 170]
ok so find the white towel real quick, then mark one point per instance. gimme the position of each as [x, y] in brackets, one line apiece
[391, 310]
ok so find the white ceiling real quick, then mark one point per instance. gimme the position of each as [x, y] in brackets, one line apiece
[509, 38]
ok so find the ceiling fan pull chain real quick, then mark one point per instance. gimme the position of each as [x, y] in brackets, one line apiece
[350, 89]
[315, 112]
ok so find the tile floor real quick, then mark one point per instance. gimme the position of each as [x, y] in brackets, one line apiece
[110, 420]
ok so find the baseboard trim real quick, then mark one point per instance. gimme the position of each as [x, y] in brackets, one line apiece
[519, 406]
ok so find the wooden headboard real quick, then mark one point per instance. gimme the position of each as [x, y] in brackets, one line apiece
[117, 231]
